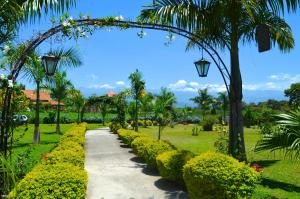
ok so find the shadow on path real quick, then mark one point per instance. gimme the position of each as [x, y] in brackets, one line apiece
[173, 190]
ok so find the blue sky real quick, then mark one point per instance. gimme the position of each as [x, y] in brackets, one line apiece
[109, 57]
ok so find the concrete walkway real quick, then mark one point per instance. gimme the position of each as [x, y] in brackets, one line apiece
[116, 173]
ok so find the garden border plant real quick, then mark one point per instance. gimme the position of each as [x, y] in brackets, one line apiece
[61, 173]
[208, 175]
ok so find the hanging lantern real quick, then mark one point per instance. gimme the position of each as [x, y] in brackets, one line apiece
[202, 67]
[263, 38]
[50, 64]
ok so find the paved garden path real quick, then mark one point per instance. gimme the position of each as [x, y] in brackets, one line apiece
[116, 173]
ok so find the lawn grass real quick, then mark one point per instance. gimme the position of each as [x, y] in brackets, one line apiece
[23, 139]
[281, 175]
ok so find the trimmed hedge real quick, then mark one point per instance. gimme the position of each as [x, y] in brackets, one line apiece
[213, 175]
[127, 136]
[144, 146]
[61, 174]
[170, 164]
[114, 126]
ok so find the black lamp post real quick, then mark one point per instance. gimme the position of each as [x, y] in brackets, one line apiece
[50, 64]
[202, 67]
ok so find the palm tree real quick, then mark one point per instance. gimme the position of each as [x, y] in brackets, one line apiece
[225, 24]
[78, 101]
[285, 138]
[58, 87]
[104, 103]
[163, 107]
[146, 104]
[137, 90]
[34, 71]
[14, 13]
[224, 102]
[204, 101]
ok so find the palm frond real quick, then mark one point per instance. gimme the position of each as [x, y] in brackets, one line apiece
[67, 58]
[286, 138]
[33, 9]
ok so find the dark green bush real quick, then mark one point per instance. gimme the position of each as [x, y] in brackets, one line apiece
[170, 164]
[50, 119]
[208, 122]
[217, 176]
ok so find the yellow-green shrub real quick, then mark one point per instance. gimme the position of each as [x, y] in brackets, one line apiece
[114, 126]
[170, 164]
[69, 145]
[61, 174]
[127, 136]
[66, 156]
[52, 181]
[212, 176]
[153, 149]
[139, 145]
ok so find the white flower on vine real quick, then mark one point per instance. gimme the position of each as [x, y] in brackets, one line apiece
[66, 23]
[6, 49]
[171, 37]
[2, 77]
[119, 18]
[86, 17]
[10, 83]
[71, 19]
[78, 29]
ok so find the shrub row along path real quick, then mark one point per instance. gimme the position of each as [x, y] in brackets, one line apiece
[116, 173]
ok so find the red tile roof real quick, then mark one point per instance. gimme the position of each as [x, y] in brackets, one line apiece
[45, 97]
[111, 94]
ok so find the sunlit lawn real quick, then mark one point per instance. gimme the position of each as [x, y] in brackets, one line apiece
[49, 139]
[281, 176]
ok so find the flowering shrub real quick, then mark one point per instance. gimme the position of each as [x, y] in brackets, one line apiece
[257, 167]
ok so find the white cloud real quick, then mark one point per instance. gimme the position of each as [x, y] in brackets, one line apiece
[194, 84]
[184, 86]
[101, 86]
[263, 86]
[120, 83]
[285, 77]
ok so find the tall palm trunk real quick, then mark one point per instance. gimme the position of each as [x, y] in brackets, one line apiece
[159, 132]
[36, 136]
[236, 146]
[103, 120]
[58, 117]
[78, 116]
[136, 126]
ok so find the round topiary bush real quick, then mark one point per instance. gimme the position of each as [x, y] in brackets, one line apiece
[153, 149]
[213, 176]
[170, 164]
